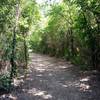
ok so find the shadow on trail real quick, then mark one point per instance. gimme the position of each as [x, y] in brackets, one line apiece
[55, 79]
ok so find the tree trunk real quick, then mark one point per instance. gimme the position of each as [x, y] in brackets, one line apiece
[25, 52]
[12, 60]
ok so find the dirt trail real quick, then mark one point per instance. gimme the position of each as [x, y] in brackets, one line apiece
[51, 78]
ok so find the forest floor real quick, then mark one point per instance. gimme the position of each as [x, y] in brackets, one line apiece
[50, 78]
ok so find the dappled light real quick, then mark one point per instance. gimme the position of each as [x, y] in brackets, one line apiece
[43, 94]
[9, 97]
[85, 79]
[84, 87]
[49, 78]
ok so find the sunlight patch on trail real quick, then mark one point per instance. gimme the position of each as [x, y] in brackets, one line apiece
[37, 92]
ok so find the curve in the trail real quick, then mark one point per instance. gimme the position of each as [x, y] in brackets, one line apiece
[51, 78]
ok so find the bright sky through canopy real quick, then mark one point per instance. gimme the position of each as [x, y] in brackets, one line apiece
[44, 19]
[52, 1]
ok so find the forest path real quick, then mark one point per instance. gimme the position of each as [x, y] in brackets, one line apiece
[51, 78]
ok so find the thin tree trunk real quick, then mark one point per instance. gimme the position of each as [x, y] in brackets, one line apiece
[71, 42]
[25, 52]
[12, 61]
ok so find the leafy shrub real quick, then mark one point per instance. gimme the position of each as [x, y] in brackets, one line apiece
[4, 82]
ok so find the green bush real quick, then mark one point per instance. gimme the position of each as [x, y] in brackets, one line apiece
[4, 82]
